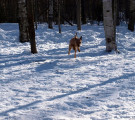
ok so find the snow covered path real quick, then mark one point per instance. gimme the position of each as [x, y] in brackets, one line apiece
[51, 85]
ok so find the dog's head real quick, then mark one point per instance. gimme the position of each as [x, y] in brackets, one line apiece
[79, 41]
[78, 38]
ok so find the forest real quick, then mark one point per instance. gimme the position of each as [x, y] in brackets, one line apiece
[29, 13]
[43, 78]
[91, 10]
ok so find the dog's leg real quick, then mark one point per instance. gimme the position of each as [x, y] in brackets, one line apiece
[75, 52]
[79, 49]
[69, 49]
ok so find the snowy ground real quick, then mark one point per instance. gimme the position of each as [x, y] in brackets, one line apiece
[51, 85]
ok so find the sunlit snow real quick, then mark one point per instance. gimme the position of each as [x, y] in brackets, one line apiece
[52, 85]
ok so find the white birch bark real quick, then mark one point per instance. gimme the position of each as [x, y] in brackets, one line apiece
[23, 22]
[109, 16]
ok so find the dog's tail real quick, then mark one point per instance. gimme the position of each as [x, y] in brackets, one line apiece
[75, 35]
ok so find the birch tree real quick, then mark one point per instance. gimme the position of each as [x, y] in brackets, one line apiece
[132, 15]
[109, 16]
[23, 23]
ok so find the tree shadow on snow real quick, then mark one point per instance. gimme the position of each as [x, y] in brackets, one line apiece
[5, 113]
[126, 76]
[46, 65]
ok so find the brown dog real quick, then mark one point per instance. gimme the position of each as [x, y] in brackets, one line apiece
[75, 44]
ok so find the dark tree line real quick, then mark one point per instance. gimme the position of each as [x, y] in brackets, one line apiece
[91, 11]
[30, 12]
[8, 11]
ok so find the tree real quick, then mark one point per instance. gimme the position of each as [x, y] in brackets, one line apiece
[23, 23]
[109, 15]
[132, 15]
[83, 12]
[36, 2]
[78, 14]
[31, 26]
[50, 14]
[59, 15]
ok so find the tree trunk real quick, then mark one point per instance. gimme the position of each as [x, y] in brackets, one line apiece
[79, 14]
[83, 12]
[109, 15]
[117, 14]
[31, 26]
[50, 14]
[23, 23]
[59, 16]
[132, 15]
[36, 13]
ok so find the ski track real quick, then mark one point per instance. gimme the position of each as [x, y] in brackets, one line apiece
[51, 85]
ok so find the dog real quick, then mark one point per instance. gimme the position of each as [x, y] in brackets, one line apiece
[75, 43]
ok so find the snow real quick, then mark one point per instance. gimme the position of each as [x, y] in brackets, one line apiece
[52, 85]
